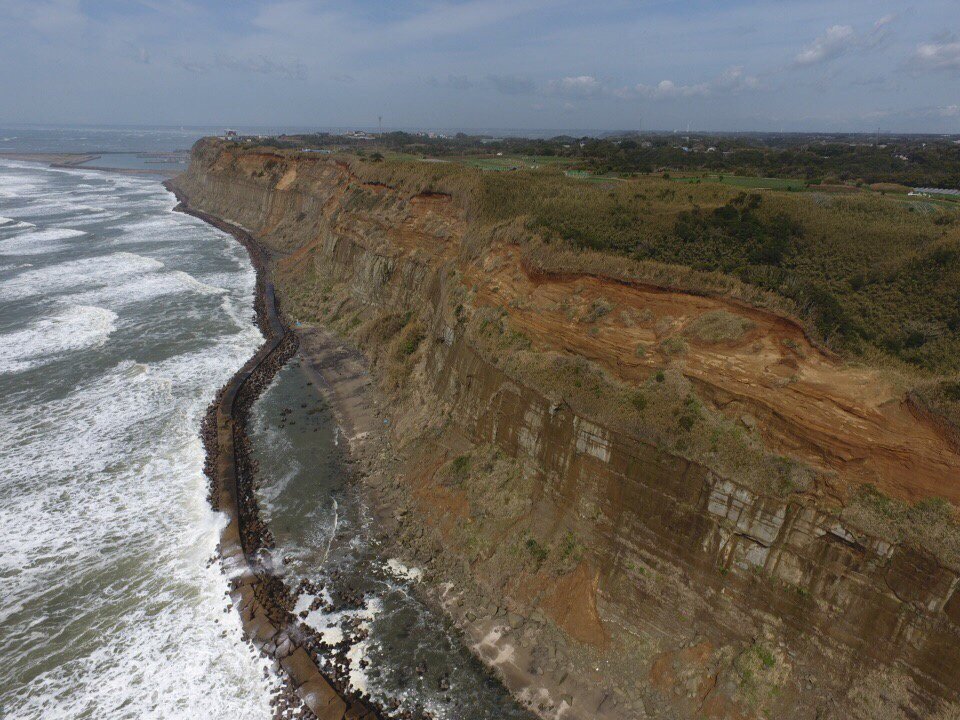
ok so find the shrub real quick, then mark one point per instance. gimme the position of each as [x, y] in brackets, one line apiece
[638, 400]
[718, 326]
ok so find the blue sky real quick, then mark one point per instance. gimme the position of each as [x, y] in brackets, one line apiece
[720, 65]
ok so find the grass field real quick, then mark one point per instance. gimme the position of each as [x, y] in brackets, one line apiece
[754, 183]
[514, 162]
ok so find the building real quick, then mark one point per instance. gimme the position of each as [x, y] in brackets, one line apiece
[928, 192]
[230, 135]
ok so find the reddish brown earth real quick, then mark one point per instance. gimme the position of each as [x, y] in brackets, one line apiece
[848, 420]
[602, 573]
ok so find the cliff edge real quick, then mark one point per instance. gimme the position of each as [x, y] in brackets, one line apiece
[636, 498]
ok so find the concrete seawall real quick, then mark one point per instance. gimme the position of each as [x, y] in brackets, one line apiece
[262, 599]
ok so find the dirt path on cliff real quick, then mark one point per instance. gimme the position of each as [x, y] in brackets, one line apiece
[752, 365]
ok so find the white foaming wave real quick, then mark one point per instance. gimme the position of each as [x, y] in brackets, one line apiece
[103, 517]
[188, 281]
[397, 568]
[93, 218]
[329, 626]
[39, 241]
[52, 208]
[22, 225]
[49, 339]
[5, 220]
[78, 274]
[123, 479]
[15, 187]
[148, 287]
[154, 229]
[21, 165]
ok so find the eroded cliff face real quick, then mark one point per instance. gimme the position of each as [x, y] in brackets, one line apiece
[608, 562]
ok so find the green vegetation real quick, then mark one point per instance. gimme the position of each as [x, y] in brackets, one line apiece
[868, 275]
[718, 326]
[458, 471]
[929, 523]
[942, 399]
[751, 183]
[536, 551]
[598, 308]
[514, 162]
[756, 160]
[759, 676]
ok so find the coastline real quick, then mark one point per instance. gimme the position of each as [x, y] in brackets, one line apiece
[76, 161]
[339, 373]
[263, 600]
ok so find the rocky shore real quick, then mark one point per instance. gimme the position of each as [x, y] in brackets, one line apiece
[314, 674]
[600, 562]
[525, 653]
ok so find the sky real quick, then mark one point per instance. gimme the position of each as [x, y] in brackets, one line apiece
[725, 65]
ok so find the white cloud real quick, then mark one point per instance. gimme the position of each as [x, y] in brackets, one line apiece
[735, 79]
[580, 85]
[669, 89]
[732, 80]
[938, 55]
[836, 41]
[839, 40]
[48, 17]
[259, 65]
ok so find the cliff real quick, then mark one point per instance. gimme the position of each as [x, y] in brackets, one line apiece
[635, 500]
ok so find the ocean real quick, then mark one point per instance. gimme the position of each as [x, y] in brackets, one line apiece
[119, 320]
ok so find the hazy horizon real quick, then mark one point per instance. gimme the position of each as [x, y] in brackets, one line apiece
[747, 66]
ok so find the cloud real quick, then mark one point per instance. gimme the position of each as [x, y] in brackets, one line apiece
[939, 55]
[880, 32]
[138, 54]
[929, 111]
[195, 67]
[578, 86]
[47, 17]
[260, 65]
[840, 40]
[836, 41]
[734, 79]
[512, 85]
[669, 89]
[455, 82]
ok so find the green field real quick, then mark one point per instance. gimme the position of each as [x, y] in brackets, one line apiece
[515, 162]
[590, 177]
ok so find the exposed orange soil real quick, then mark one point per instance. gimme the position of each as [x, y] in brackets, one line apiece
[838, 418]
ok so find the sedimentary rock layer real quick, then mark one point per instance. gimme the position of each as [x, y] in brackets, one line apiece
[602, 570]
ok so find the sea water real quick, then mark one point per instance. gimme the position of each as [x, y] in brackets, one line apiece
[411, 656]
[119, 319]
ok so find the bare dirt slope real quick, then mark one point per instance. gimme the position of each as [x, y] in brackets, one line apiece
[757, 366]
